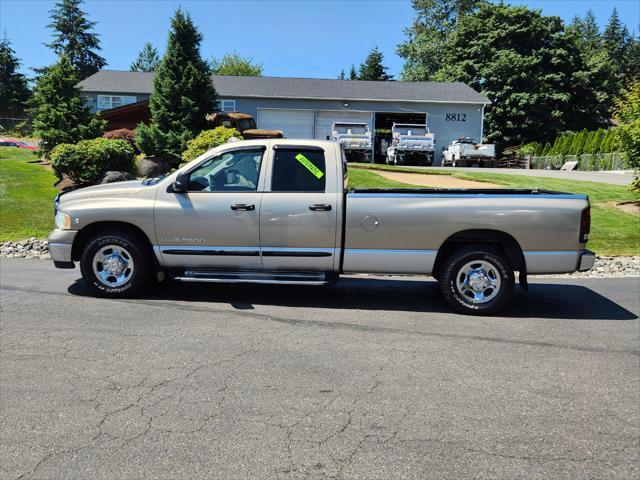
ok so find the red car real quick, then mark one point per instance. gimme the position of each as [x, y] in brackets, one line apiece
[11, 142]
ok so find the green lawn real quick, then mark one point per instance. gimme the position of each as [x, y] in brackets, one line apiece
[613, 232]
[26, 196]
[27, 191]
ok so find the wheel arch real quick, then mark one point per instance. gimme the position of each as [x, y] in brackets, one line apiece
[91, 230]
[496, 238]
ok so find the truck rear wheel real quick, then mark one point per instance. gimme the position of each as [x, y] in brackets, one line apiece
[477, 280]
[116, 265]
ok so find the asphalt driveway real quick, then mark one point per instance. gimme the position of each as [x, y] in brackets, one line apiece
[370, 378]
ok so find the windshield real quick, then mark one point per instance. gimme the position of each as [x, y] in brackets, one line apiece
[247, 123]
[410, 130]
[351, 129]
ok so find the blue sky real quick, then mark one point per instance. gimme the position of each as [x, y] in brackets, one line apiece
[303, 38]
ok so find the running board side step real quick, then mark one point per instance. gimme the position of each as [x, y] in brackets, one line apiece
[282, 278]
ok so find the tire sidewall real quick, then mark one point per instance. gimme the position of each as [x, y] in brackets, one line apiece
[459, 302]
[130, 245]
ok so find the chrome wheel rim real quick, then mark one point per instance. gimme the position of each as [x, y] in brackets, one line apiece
[113, 266]
[478, 281]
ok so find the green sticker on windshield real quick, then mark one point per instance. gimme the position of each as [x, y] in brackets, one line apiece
[315, 171]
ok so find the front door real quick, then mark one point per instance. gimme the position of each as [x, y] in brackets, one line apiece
[298, 217]
[216, 223]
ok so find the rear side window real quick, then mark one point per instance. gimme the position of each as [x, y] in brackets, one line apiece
[298, 170]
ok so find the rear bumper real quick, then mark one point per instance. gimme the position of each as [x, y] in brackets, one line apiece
[587, 260]
[559, 261]
[60, 247]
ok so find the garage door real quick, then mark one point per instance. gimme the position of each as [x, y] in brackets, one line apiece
[325, 118]
[294, 123]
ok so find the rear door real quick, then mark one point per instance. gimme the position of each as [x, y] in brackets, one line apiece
[299, 213]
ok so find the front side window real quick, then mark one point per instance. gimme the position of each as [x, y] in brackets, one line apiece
[298, 170]
[235, 171]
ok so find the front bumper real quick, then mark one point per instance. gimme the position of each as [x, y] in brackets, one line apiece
[587, 260]
[60, 247]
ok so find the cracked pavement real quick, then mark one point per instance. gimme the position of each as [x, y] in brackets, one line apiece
[371, 378]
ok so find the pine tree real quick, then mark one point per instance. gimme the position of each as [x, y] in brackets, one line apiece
[546, 149]
[597, 141]
[59, 112]
[73, 38]
[353, 75]
[14, 91]
[372, 67]
[147, 59]
[182, 93]
[615, 39]
[342, 75]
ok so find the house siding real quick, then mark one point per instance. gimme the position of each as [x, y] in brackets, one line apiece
[445, 131]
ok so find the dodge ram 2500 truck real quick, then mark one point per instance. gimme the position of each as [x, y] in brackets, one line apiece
[280, 211]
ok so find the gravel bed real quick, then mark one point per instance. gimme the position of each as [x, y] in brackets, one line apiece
[604, 266]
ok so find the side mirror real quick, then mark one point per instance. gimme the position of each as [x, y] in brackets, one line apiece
[181, 183]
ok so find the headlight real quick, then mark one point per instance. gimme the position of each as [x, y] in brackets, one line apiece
[63, 221]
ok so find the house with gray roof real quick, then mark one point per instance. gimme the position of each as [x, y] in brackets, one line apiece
[307, 107]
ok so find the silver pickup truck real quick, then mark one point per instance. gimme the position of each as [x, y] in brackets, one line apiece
[280, 211]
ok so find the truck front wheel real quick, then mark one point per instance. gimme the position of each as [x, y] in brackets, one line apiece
[477, 280]
[116, 265]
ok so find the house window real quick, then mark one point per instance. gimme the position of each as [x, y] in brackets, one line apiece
[106, 102]
[227, 105]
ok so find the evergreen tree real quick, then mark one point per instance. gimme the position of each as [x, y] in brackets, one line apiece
[372, 67]
[597, 141]
[14, 91]
[615, 39]
[588, 145]
[182, 93]
[234, 64]
[425, 47]
[586, 32]
[74, 39]
[342, 75]
[353, 75]
[59, 112]
[147, 59]
[546, 149]
[527, 66]
[628, 133]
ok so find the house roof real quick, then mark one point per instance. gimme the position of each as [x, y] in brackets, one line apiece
[113, 81]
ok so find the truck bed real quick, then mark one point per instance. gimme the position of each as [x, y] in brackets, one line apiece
[463, 191]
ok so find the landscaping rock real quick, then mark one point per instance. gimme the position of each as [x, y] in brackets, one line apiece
[30, 248]
[111, 177]
[150, 167]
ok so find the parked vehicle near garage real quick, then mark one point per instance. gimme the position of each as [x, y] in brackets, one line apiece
[355, 138]
[279, 211]
[242, 122]
[465, 152]
[11, 142]
[411, 145]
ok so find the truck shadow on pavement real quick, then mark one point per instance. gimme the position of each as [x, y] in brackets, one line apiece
[557, 301]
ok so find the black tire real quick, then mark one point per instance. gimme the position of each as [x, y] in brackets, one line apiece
[471, 259]
[135, 249]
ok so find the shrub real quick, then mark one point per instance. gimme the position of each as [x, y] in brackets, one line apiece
[207, 140]
[125, 134]
[87, 161]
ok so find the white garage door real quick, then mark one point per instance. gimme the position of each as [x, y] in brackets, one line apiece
[325, 118]
[294, 123]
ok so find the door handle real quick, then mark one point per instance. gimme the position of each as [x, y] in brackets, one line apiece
[320, 207]
[243, 206]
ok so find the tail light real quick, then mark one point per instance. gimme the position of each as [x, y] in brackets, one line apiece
[585, 225]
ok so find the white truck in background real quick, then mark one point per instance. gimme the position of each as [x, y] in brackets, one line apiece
[465, 152]
[411, 144]
[355, 138]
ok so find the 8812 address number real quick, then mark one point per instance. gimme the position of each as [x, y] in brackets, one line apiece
[455, 117]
